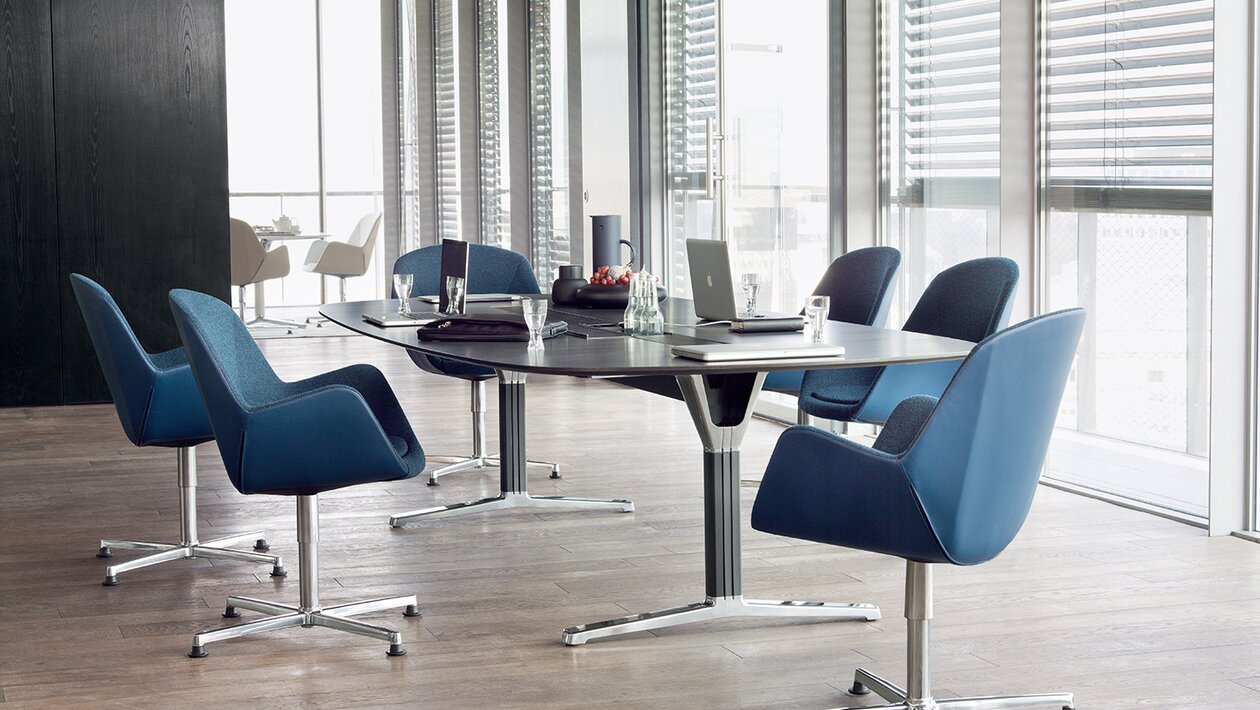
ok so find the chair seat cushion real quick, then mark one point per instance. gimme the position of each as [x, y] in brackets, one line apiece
[784, 381]
[836, 394]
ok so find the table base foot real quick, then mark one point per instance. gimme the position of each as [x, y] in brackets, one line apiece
[510, 500]
[716, 608]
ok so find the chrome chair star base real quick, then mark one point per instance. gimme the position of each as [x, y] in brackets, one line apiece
[480, 457]
[309, 612]
[510, 499]
[189, 546]
[918, 692]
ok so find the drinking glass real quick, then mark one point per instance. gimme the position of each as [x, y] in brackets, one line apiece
[402, 288]
[750, 283]
[535, 312]
[634, 304]
[816, 309]
[455, 286]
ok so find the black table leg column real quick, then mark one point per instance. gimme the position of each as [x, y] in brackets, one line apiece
[721, 524]
[512, 433]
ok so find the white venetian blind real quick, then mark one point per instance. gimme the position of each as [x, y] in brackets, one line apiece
[447, 119]
[1129, 104]
[950, 103]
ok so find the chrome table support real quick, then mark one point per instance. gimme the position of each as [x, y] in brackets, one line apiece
[480, 458]
[308, 611]
[188, 546]
[721, 407]
[513, 486]
[260, 310]
[918, 692]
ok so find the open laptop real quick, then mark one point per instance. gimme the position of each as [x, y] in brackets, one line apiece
[713, 290]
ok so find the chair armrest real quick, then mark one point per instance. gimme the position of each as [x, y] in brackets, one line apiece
[905, 423]
[371, 384]
[898, 382]
[316, 440]
[314, 253]
[339, 258]
[824, 488]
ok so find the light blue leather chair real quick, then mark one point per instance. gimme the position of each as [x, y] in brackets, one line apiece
[947, 482]
[969, 301]
[339, 429]
[158, 405]
[490, 270]
[860, 286]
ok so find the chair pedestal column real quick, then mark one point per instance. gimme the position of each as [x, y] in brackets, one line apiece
[189, 545]
[917, 694]
[721, 408]
[513, 485]
[309, 611]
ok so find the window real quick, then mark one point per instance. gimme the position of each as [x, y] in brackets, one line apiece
[1127, 194]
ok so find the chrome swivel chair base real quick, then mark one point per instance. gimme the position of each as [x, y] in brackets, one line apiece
[918, 693]
[715, 608]
[308, 612]
[506, 500]
[188, 546]
[479, 458]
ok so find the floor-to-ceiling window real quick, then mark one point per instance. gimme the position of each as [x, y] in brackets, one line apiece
[281, 55]
[941, 122]
[747, 151]
[1127, 198]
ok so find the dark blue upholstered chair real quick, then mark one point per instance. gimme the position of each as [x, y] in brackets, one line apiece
[490, 270]
[947, 481]
[968, 301]
[338, 429]
[860, 286]
[158, 405]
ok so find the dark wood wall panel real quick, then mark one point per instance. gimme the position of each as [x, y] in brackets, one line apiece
[30, 358]
[141, 145]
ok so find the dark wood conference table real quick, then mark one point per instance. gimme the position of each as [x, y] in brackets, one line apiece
[719, 395]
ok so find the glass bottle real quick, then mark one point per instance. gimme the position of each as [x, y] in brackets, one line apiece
[630, 319]
[651, 320]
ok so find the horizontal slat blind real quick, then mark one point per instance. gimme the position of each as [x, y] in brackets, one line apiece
[950, 62]
[447, 119]
[1129, 112]
[693, 94]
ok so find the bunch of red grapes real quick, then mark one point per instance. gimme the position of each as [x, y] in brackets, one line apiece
[615, 275]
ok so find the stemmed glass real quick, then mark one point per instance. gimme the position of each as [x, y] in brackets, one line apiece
[535, 312]
[816, 309]
[750, 284]
[402, 288]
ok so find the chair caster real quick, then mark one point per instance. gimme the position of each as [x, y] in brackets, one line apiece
[859, 689]
[261, 546]
[278, 571]
[434, 482]
[105, 552]
[110, 581]
[411, 610]
[555, 471]
[231, 613]
[198, 652]
[396, 649]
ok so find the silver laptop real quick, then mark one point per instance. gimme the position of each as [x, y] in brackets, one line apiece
[728, 352]
[712, 287]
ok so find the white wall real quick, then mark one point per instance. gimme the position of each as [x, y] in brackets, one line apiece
[605, 114]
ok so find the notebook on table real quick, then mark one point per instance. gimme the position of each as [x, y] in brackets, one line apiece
[733, 352]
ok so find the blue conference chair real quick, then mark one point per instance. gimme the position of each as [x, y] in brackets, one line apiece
[158, 405]
[338, 429]
[948, 481]
[860, 286]
[968, 301]
[490, 270]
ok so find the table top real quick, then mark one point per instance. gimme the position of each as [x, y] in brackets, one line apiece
[638, 355]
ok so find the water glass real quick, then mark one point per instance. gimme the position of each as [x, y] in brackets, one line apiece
[634, 304]
[750, 284]
[535, 312]
[455, 287]
[402, 289]
[650, 320]
[816, 309]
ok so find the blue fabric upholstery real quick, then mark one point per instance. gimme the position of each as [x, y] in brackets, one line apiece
[860, 286]
[956, 482]
[154, 394]
[490, 270]
[333, 430]
[969, 301]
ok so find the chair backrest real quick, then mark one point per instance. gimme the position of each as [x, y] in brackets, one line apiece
[365, 232]
[968, 301]
[976, 461]
[232, 373]
[129, 372]
[490, 270]
[247, 252]
[860, 285]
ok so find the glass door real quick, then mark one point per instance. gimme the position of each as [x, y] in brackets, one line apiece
[746, 140]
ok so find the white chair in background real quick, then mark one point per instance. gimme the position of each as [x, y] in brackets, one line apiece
[344, 259]
[253, 263]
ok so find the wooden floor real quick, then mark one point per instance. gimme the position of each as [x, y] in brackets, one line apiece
[1125, 609]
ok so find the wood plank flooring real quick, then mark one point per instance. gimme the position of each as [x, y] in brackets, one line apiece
[1124, 609]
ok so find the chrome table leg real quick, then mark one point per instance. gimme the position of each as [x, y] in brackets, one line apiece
[721, 407]
[513, 485]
